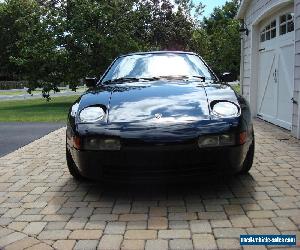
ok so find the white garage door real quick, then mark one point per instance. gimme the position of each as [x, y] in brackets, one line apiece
[276, 67]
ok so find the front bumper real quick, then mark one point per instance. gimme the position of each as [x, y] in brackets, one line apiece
[158, 162]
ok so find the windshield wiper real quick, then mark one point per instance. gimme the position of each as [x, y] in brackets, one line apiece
[200, 77]
[121, 79]
[131, 79]
[182, 77]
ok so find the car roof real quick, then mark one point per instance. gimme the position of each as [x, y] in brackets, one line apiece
[159, 52]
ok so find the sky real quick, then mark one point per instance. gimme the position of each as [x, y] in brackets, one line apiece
[210, 5]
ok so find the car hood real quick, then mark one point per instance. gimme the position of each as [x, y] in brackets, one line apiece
[162, 102]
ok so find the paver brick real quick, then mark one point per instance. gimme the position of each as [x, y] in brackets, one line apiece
[17, 225]
[178, 224]
[228, 232]
[110, 242]
[140, 234]
[204, 241]
[174, 234]
[40, 246]
[54, 234]
[260, 214]
[137, 224]
[228, 244]
[183, 216]
[115, 228]
[133, 245]
[284, 223]
[104, 217]
[212, 216]
[158, 211]
[200, 226]
[181, 244]
[220, 223]
[241, 221]
[76, 223]
[10, 238]
[156, 245]
[34, 228]
[263, 230]
[262, 222]
[158, 223]
[85, 235]
[133, 217]
[86, 244]
[64, 244]
[23, 243]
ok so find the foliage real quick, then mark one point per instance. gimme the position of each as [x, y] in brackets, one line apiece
[49, 42]
[224, 38]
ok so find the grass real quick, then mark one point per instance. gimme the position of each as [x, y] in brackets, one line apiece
[10, 93]
[36, 110]
[23, 92]
[237, 88]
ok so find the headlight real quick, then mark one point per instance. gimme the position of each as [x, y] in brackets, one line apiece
[91, 114]
[225, 109]
[216, 140]
[74, 109]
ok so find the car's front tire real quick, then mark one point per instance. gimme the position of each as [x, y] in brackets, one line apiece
[248, 162]
[72, 166]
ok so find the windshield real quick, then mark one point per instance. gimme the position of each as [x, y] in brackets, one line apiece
[158, 65]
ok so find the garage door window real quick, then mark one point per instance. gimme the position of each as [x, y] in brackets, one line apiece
[269, 32]
[286, 23]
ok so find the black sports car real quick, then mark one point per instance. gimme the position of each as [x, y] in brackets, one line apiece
[159, 116]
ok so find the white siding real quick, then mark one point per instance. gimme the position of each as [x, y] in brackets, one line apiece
[296, 110]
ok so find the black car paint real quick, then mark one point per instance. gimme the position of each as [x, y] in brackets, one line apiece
[162, 148]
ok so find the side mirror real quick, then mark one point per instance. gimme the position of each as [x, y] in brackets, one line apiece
[227, 77]
[91, 82]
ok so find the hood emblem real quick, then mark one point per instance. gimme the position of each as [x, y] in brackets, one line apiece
[158, 116]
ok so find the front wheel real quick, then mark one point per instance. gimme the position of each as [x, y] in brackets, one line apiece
[248, 162]
[72, 166]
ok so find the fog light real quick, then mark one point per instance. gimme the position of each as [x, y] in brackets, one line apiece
[110, 144]
[208, 141]
[216, 140]
[228, 139]
[102, 144]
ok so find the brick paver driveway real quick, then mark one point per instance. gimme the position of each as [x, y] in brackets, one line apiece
[42, 207]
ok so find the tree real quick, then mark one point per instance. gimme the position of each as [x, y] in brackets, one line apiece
[53, 42]
[224, 38]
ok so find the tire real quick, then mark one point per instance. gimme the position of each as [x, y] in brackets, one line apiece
[72, 166]
[248, 160]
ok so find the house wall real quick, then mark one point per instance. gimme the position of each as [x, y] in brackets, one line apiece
[296, 106]
[256, 11]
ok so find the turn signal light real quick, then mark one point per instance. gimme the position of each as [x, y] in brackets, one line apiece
[76, 142]
[243, 137]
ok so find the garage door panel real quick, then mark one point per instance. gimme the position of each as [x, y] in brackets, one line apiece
[266, 90]
[285, 86]
[276, 71]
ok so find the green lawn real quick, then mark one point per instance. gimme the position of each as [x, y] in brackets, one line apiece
[22, 92]
[237, 88]
[36, 110]
[18, 92]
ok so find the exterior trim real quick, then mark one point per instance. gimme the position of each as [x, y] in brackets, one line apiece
[242, 10]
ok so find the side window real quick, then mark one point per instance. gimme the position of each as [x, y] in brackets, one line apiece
[286, 23]
[269, 32]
